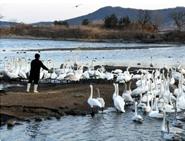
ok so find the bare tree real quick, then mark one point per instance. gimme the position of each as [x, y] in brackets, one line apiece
[179, 19]
[144, 18]
[157, 21]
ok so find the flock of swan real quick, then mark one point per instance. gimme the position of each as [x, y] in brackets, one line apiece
[20, 67]
[157, 93]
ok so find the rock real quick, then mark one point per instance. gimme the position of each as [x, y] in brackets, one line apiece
[61, 113]
[27, 120]
[57, 117]
[82, 113]
[37, 119]
[11, 123]
[48, 118]
[71, 112]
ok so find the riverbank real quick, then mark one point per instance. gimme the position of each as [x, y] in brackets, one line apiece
[53, 100]
[94, 34]
[93, 40]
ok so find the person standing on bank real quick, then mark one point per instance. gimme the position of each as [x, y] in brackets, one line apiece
[36, 64]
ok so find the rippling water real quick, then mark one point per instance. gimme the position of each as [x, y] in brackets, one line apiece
[109, 126]
[173, 55]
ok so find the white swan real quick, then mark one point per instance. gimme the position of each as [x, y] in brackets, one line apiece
[75, 76]
[115, 92]
[93, 102]
[100, 99]
[119, 102]
[155, 113]
[167, 134]
[174, 130]
[176, 122]
[147, 108]
[127, 93]
[136, 117]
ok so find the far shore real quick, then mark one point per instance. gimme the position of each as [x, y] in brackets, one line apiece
[151, 41]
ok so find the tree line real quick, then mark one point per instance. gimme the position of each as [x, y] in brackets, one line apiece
[143, 22]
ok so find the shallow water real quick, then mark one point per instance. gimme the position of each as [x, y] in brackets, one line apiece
[109, 126]
[173, 55]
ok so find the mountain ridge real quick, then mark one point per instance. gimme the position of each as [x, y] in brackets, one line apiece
[101, 13]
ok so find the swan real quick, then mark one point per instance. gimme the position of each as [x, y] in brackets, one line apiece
[85, 75]
[180, 96]
[109, 76]
[127, 93]
[100, 99]
[141, 89]
[141, 105]
[75, 76]
[155, 113]
[93, 102]
[12, 72]
[136, 76]
[174, 130]
[127, 75]
[117, 71]
[119, 102]
[175, 122]
[167, 134]
[136, 117]
[147, 108]
[115, 91]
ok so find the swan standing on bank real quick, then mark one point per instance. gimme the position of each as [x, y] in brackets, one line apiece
[100, 99]
[127, 93]
[93, 102]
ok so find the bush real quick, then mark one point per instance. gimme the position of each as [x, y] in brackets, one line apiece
[111, 21]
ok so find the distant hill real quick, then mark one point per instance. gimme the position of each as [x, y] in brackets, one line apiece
[4, 24]
[163, 15]
[100, 14]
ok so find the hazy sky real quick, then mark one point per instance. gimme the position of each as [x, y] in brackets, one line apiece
[48, 10]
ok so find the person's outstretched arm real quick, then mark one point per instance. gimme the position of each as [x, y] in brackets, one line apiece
[43, 66]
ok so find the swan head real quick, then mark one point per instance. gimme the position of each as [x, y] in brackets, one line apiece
[90, 86]
[135, 103]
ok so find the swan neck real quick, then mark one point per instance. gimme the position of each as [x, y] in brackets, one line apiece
[135, 109]
[117, 89]
[91, 94]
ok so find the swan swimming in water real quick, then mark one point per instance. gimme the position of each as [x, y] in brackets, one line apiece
[155, 113]
[119, 102]
[136, 117]
[173, 130]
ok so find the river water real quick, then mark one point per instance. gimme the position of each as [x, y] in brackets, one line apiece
[109, 126]
[173, 54]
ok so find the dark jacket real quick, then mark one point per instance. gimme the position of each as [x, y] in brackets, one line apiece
[35, 68]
